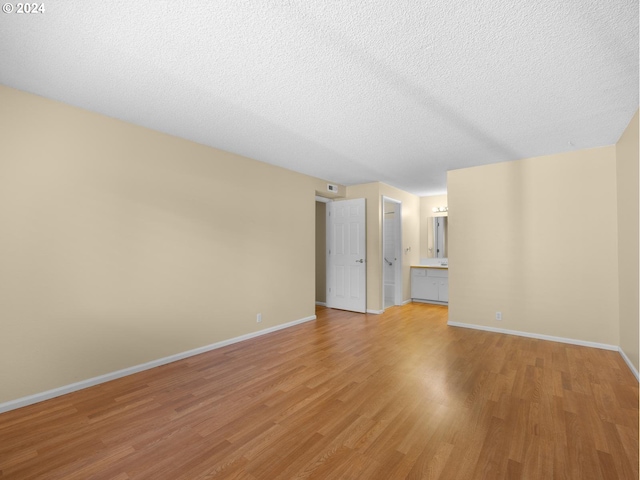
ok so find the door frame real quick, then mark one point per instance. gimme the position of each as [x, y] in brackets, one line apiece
[398, 251]
[324, 200]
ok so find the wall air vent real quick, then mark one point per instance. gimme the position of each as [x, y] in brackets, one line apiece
[332, 188]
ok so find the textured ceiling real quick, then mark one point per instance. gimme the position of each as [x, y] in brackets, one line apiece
[350, 91]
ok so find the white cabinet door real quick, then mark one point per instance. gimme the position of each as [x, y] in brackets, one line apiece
[423, 286]
[431, 292]
[443, 290]
[418, 282]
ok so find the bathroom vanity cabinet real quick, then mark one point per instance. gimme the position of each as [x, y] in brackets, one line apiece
[430, 284]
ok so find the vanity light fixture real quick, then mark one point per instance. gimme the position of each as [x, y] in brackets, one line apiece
[440, 209]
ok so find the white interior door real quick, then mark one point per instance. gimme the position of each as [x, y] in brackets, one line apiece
[346, 255]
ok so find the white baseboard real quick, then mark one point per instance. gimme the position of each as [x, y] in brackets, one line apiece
[376, 312]
[538, 336]
[56, 392]
[430, 302]
[629, 364]
[406, 302]
[322, 304]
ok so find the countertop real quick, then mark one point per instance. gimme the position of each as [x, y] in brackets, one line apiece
[440, 267]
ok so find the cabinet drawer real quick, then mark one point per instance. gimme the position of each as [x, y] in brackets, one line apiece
[437, 272]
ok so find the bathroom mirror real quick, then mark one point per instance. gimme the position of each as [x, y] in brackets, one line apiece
[440, 236]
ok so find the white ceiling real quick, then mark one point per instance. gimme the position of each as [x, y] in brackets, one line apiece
[349, 91]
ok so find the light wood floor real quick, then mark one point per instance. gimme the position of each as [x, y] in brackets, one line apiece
[392, 396]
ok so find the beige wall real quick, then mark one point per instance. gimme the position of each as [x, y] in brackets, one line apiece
[373, 193]
[627, 182]
[121, 245]
[321, 252]
[537, 240]
[426, 222]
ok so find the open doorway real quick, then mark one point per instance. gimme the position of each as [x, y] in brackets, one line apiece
[391, 252]
[321, 250]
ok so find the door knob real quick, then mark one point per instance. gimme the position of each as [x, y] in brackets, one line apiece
[360, 261]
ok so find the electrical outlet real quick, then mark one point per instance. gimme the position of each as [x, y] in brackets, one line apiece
[259, 318]
[498, 316]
